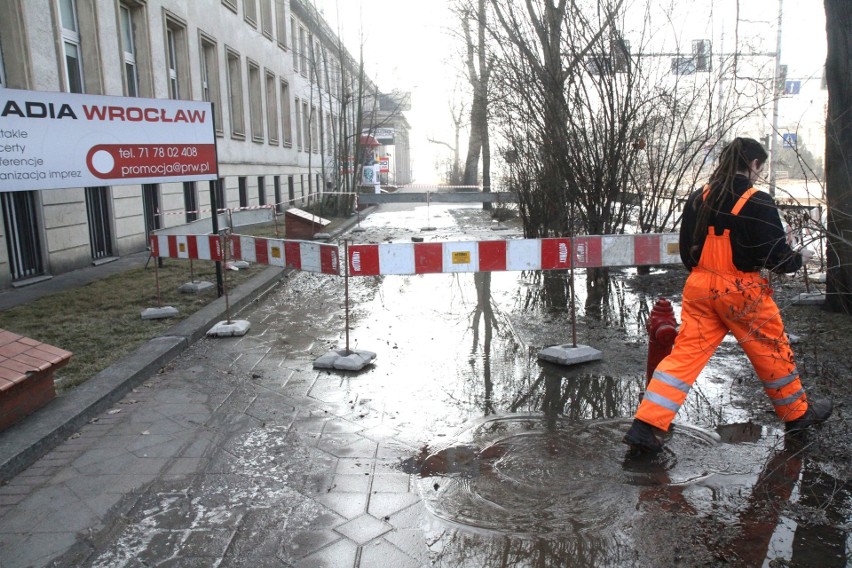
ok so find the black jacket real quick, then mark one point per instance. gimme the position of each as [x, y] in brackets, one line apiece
[758, 239]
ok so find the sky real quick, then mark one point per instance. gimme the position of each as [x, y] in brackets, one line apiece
[408, 46]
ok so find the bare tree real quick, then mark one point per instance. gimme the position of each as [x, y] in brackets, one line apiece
[838, 155]
[600, 138]
[478, 67]
[454, 173]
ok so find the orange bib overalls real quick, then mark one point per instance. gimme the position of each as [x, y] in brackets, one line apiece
[718, 298]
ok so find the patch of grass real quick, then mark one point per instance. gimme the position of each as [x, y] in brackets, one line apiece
[101, 322]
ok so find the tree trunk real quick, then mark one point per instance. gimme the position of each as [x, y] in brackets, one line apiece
[474, 144]
[838, 156]
[484, 73]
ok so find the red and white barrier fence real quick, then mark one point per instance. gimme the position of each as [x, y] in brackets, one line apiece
[306, 256]
[514, 254]
[426, 258]
[195, 247]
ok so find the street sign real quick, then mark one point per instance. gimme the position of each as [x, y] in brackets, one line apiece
[792, 87]
[791, 139]
[53, 140]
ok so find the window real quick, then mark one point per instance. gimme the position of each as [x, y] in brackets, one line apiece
[312, 61]
[231, 4]
[99, 216]
[293, 39]
[190, 201]
[298, 124]
[128, 50]
[333, 76]
[151, 208]
[221, 195]
[321, 131]
[255, 101]
[329, 140]
[71, 49]
[303, 51]
[174, 87]
[326, 75]
[318, 64]
[286, 119]
[235, 95]
[250, 11]
[266, 17]
[701, 53]
[135, 49]
[271, 109]
[276, 188]
[243, 189]
[177, 59]
[210, 90]
[315, 126]
[620, 51]
[306, 126]
[261, 190]
[333, 131]
[281, 23]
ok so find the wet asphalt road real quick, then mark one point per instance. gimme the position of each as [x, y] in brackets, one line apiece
[457, 448]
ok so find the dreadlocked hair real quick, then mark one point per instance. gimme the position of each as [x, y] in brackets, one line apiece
[736, 157]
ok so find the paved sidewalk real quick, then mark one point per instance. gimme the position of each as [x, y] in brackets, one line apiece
[28, 440]
[217, 452]
[237, 453]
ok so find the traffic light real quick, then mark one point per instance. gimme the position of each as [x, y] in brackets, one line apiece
[781, 85]
[701, 54]
[620, 53]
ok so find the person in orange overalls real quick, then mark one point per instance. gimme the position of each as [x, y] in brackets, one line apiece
[730, 231]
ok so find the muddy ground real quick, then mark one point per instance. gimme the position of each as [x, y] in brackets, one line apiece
[823, 356]
[525, 457]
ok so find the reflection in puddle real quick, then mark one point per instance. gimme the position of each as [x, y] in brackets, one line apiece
[743, 495]
[548, 478]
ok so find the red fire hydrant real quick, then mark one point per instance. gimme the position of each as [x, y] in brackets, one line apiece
[662, 330]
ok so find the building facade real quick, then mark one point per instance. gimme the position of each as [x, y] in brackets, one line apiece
[278, 79]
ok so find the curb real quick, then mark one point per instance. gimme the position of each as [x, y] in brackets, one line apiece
[27, 441]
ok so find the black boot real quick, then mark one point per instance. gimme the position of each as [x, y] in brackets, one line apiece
[819, 409]
[641, 438]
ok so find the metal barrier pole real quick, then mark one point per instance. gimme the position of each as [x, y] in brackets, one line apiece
[346, 290]
[157, 280]
[225, 248]
[215, 221]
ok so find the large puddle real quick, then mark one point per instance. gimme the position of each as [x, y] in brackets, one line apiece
[534, 477]
[522, 462]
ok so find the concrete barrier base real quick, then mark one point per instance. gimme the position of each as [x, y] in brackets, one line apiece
[195, 287]
[569, 354]
[340, 359]
[159, 313]
[233, 328]
[812, 298]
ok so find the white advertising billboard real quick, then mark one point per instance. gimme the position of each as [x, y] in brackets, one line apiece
[52, 140]
[370, 175]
